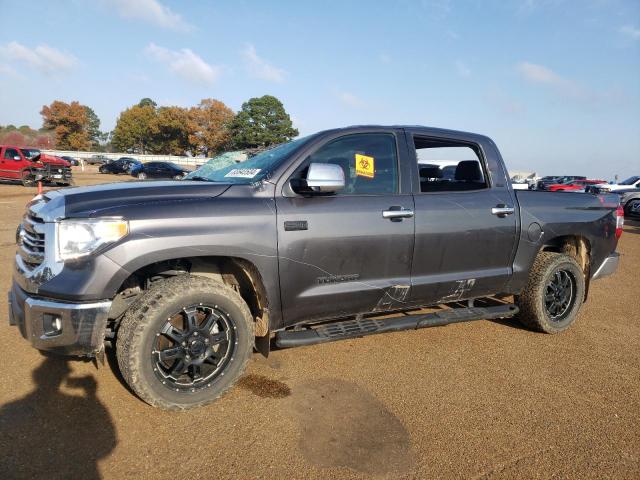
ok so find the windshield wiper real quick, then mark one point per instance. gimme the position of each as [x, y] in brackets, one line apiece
[197, 177]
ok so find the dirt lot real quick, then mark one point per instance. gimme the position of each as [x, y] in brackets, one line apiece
[481, 399]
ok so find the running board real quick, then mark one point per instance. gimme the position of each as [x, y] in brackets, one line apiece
[331, 332]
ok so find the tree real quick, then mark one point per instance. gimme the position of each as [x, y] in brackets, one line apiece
[170, 130]
[147, 102]
[133, 129]
[69, 122]
[93, 126]
[209, 127]
[261, 122]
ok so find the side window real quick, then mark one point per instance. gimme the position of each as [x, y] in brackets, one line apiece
[446, 166]
[9, 153]
[369, 162]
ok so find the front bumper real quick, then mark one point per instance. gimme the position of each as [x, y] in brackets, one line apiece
[608, 266]
[82, 325]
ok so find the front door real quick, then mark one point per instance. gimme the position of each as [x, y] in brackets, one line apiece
[9, 166]
[341, 255]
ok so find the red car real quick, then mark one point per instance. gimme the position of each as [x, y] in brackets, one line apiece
[29, 164]
[573, 186]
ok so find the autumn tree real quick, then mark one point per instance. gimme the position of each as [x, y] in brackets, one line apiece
[133, 129]
[170, 131]
[69, 122]
[209, 124]
[261, 122]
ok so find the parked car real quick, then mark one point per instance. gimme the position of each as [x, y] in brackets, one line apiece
[122, 165]
[574, 186]
[630, 182]
[310, 242]
[630, 200]
[74, 162]
[29, 165]
[159, 170]
[545, 182]
[97, 160]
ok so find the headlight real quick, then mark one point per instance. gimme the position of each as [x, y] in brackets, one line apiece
[77, 238]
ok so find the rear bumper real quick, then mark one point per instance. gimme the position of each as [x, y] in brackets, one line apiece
[82, 325]
[608, 266]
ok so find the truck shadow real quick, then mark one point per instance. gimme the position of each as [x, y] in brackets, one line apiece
[50, 433]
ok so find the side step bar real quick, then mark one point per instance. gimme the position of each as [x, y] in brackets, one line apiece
[331, 332]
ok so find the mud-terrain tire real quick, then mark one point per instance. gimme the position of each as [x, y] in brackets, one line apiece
[148, 322]
[554, 279]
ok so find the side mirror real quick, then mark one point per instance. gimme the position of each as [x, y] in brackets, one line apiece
[17, 158]
[321, 178]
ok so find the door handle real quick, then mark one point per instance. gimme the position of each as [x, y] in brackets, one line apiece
[397, 213]
[501, 210]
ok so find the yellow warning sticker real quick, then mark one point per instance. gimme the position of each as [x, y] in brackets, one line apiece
[364, 166]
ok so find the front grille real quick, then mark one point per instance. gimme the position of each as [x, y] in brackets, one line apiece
[31, 247]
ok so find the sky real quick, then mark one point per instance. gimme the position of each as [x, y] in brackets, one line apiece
[555, 83]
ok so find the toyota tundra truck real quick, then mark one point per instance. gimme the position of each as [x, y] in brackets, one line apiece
[341, 234]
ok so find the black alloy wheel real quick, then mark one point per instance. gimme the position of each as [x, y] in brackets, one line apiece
[193, 347]
[559, 295]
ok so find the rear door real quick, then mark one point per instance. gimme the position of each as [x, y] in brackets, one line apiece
[465, 225]
[337, 254]
[9, 166]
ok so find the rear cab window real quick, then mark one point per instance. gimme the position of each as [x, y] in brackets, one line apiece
[449, 166]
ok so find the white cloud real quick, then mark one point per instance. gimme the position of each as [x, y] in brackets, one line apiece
[630, 31]
[462, 69]
[151, 11]
[43, 58]
[260, 68]
[185, 63]
[540, 74]
[567, 88]
[350, 100]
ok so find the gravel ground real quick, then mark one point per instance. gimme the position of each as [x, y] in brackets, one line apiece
[474, 400]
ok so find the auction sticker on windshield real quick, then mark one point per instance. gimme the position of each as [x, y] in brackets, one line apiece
[243, 172]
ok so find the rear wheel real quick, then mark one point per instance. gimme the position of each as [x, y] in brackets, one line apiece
[554, 293]
[185, 342]
[178, 177]
[142, 176]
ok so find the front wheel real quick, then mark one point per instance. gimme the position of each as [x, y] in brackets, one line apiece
[185, 342]
[553, 295]
[28, 178]
[632, 208]
[142, 176]
[178, 177]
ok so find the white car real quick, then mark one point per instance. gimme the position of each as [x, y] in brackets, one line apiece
[628, 183]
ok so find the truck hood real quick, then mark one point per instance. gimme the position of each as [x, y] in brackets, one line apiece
[104, 200]
[51, 160]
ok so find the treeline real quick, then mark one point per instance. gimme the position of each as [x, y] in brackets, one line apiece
[205, 129]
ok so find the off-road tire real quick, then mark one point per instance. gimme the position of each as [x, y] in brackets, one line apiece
[137, 333]
[533, 313]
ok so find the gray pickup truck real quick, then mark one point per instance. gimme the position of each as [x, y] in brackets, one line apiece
[312, 241]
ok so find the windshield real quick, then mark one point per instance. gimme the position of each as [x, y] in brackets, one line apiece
[30, 152]
[630, 181]
[220, 169]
